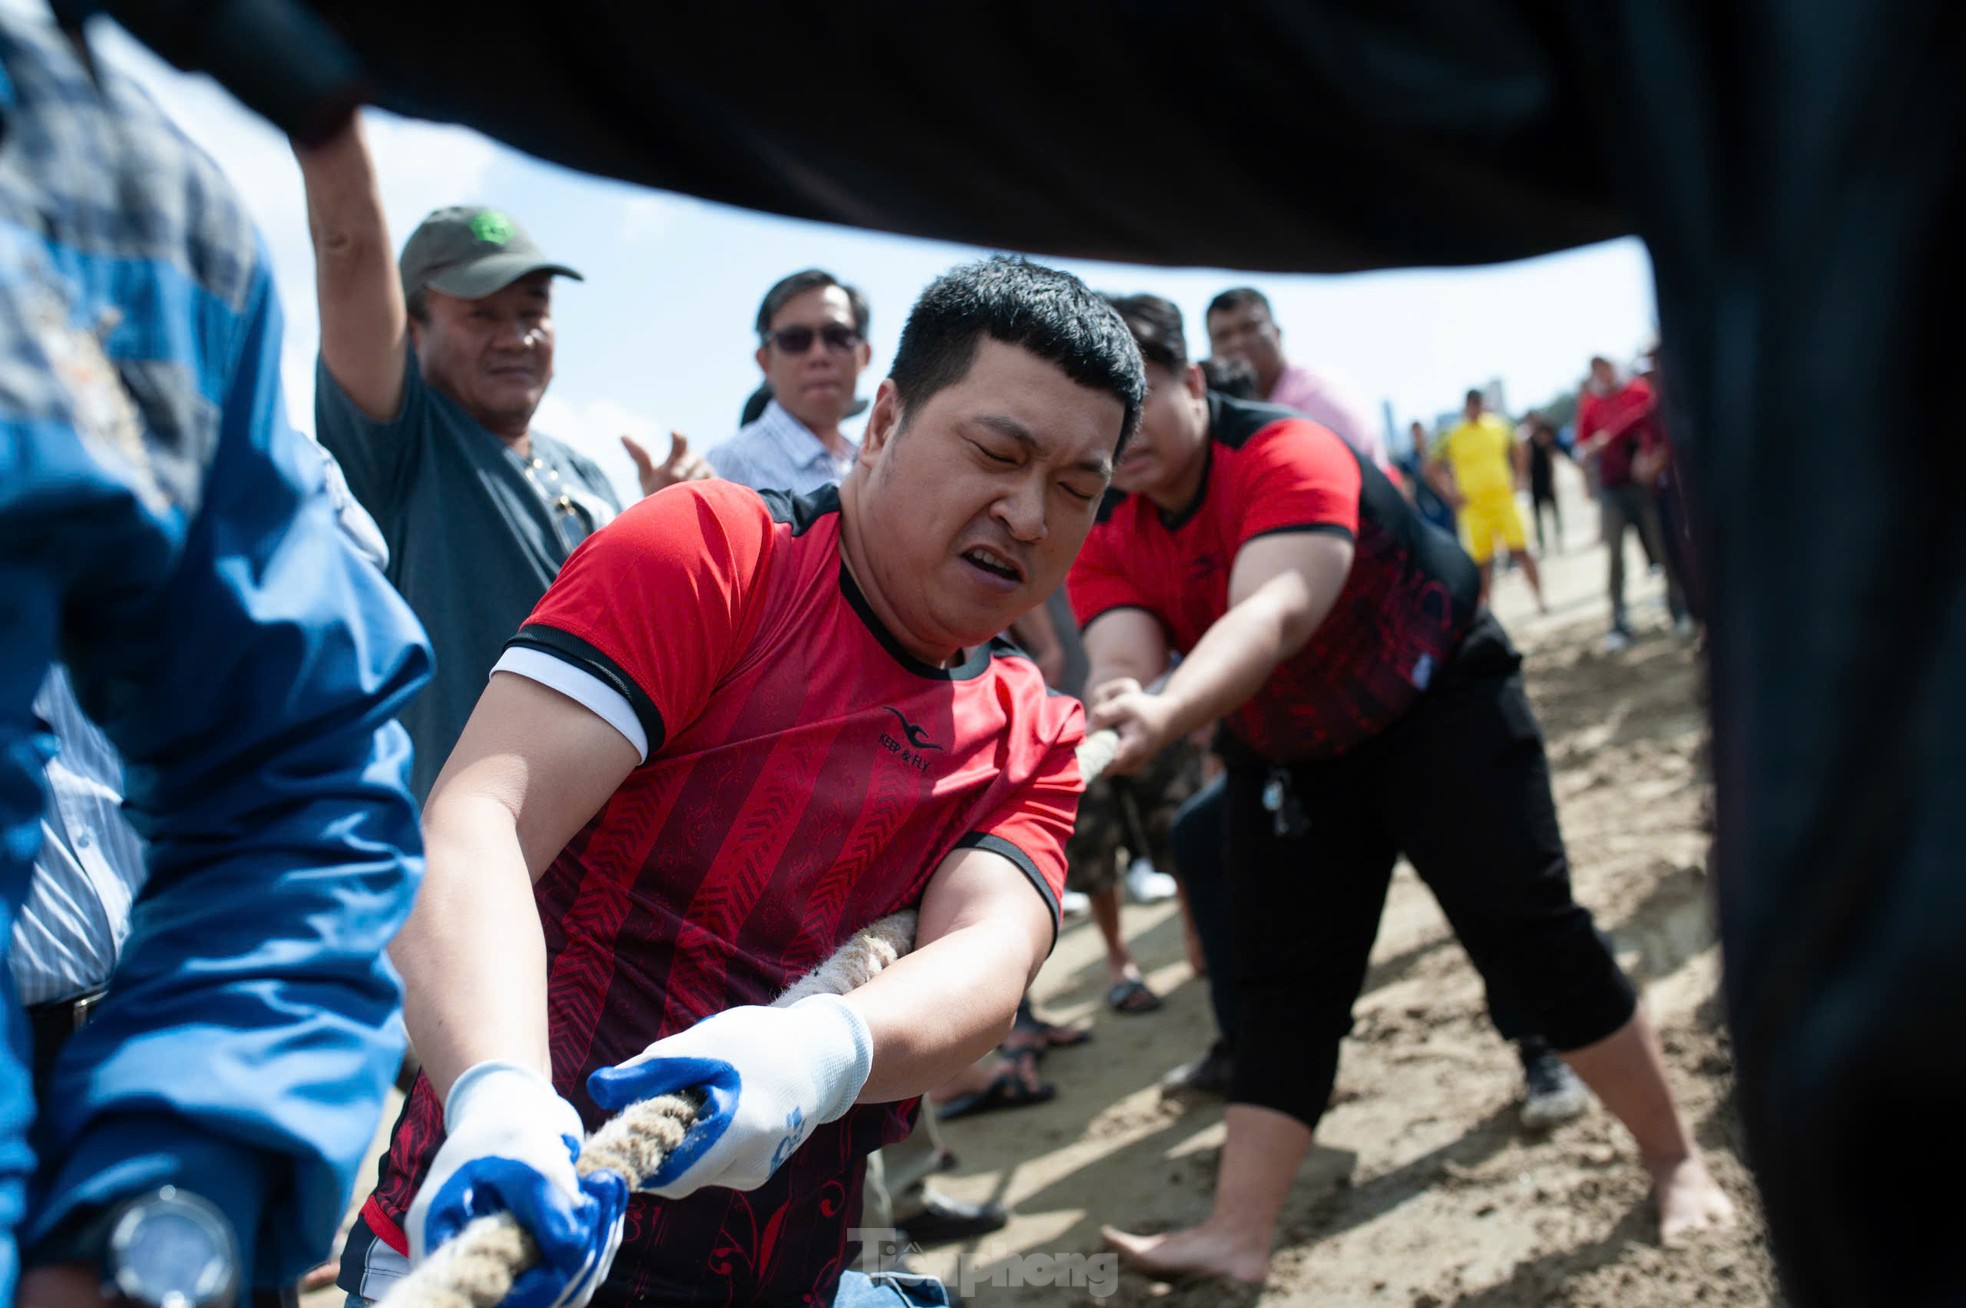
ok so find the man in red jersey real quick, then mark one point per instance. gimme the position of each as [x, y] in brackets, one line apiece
[1373, 708]
[1617, 426]
[738, 729]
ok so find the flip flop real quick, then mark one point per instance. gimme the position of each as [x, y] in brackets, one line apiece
[1033, 1033]
[1132, 996]
[1006, 1090]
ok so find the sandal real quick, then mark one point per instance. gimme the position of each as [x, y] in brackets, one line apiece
[1009, 1088]
[1031, 1033]
[1132, 996]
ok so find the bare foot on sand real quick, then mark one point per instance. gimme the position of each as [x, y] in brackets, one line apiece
[1689, 1200]
[1195, 1252]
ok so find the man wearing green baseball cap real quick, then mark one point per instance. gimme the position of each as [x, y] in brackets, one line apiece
[430, 371]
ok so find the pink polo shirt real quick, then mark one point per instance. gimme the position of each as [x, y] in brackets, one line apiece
[1318, 399]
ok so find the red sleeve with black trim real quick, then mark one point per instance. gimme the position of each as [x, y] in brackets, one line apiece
[1098, 582]
[657, 603]
[1036, 820]
[1292, 476]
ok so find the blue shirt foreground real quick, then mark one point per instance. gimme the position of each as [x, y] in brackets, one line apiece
[165, 534]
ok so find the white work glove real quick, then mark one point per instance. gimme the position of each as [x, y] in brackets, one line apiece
[509, 1146]
[769, 1076]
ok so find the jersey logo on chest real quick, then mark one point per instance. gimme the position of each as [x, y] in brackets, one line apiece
[915, 752]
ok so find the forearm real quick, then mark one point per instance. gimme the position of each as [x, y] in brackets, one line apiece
[1237, 655]
[473, 956]
[344, 200]
[1119, 649]
[942, 1007]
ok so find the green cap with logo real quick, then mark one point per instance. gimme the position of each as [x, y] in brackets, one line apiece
[470, 252]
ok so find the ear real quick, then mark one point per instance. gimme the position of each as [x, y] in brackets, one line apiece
[883, 420]
[763, 351]
[1196, 381]
[863, 354]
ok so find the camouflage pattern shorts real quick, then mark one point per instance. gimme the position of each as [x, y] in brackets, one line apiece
[1106, 827]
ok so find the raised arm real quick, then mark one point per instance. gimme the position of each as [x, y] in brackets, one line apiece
[364, 322]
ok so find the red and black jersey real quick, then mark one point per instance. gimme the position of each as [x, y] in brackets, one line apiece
[804, 777]
[1407, 602]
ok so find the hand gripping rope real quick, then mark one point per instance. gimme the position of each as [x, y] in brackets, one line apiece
[476, 1267]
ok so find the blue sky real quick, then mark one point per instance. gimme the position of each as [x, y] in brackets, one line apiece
[659, 335]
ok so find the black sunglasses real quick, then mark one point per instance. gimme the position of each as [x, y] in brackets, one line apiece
[797, 340]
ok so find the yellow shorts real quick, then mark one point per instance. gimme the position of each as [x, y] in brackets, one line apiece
[1490, 516]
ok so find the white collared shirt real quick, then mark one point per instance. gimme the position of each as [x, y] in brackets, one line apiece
[778, 452]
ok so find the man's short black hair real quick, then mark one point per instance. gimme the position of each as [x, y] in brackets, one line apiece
[798, 284]
[1155, 322]
[1050, 313]
[1239, 297]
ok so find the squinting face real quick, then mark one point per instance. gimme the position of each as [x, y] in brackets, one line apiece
[494, 356]
[975, 509]
[1246, 333]
[1162, 461]
[816, 384]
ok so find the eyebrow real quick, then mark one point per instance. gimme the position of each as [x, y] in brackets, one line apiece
[1005, 425]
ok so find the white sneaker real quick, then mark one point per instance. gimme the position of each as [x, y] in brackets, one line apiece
[1615, 640]
[1147, 885]
[1074, 904]
[1552, 1093]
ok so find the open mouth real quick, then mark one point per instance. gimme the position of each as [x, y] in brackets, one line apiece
[992, 564]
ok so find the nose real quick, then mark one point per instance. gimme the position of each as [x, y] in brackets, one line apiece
[1021, 509]
[516, 334]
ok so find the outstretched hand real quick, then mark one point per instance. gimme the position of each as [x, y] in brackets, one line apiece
[680, 466]
[1144, 722]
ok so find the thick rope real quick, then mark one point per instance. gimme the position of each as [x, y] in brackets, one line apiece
[476, 1267]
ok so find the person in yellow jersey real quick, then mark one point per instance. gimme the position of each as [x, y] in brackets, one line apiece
[1476, 467]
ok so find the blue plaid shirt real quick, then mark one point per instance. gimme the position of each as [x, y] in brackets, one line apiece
[166, 535]
[778, 452]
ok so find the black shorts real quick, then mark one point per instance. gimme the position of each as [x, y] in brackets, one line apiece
[1461, 786]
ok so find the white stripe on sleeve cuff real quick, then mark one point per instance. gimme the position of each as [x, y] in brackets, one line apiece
[580, 686]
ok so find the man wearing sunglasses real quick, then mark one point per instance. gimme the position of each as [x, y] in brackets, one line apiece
[429, 374]
[812, 346]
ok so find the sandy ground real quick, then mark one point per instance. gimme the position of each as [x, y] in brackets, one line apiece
[1422, 1189]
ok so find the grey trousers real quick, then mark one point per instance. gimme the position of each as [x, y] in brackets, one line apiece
[1631, 506]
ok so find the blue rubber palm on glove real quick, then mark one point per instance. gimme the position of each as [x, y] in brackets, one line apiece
[768, 1076]
[510, 1141]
